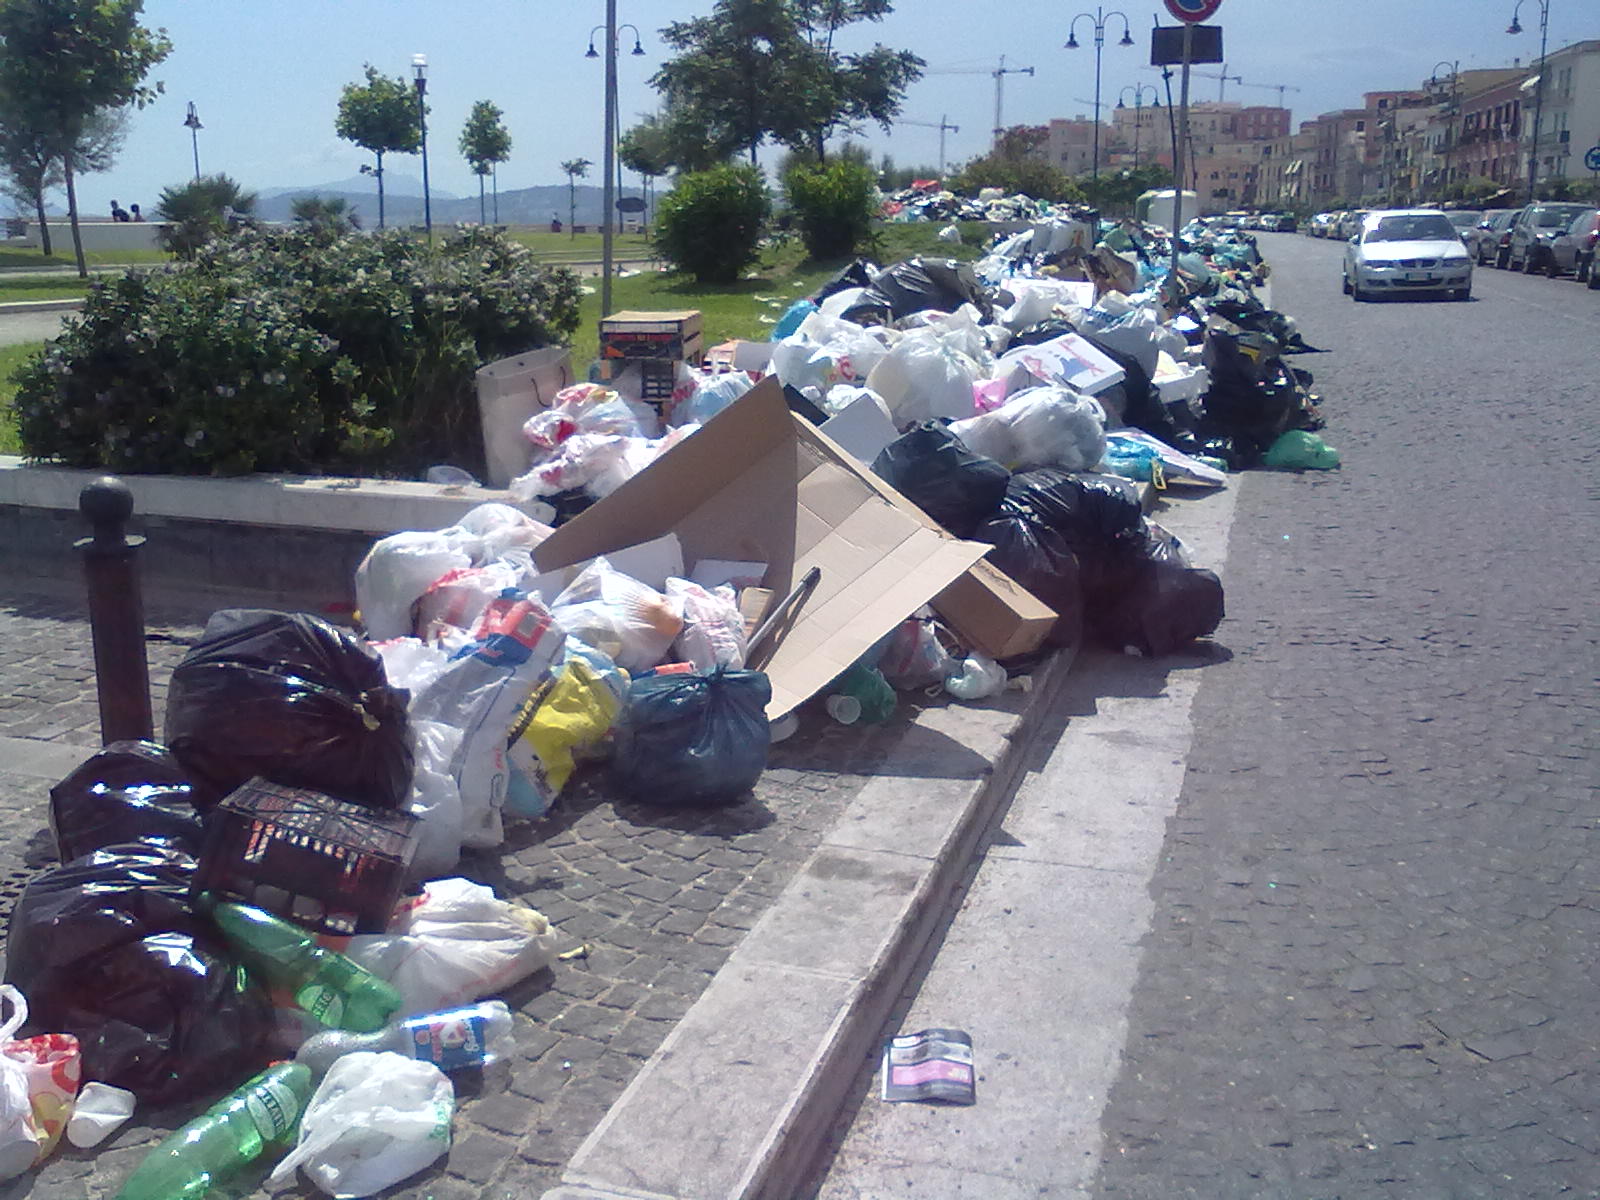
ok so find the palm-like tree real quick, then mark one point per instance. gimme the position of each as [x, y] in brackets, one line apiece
[576, 169]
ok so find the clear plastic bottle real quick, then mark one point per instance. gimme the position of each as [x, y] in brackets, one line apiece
[228, 1136]
[334, 989]
[473, 1036]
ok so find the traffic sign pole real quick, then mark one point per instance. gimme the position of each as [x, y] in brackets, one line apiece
[1180, 159]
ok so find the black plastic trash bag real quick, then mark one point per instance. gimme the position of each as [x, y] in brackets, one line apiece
[1161, 607]
[1099, 515]
[1039, 559]
[128, 792]
[857, 274]
[289, 697]
[916, 285]
[693, 739]
[108, 949]
[931, 467]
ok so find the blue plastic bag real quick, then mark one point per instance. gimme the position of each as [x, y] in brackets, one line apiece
[693, 739]
[792, 316]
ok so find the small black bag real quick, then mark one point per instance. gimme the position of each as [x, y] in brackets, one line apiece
[128, 792]
[931, 467]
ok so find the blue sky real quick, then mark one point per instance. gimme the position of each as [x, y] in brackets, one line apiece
[265, 77]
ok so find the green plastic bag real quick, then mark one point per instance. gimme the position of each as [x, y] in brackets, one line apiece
[1298, 450]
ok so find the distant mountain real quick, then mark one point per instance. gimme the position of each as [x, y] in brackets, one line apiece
[522, 206]
[395, 183]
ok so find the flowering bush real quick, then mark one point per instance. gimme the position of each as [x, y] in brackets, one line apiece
[292, 351]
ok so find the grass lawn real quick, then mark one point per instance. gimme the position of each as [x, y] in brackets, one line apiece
[13, 291]
[62, 258]
[581, 247]
[11, 357]
[749, 308]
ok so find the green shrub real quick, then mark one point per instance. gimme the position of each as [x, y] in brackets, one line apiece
[292, 351]
[833, 206]
[1030, 176]
[193, 212]
[710, 224]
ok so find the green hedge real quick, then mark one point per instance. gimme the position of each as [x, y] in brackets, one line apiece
[292, 351]
[710, 223]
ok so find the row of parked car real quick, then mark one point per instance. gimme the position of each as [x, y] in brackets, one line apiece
[1551, 238]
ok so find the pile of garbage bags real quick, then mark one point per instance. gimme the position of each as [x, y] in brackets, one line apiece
[926, 200]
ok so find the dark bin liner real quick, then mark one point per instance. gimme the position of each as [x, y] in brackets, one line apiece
[127, 792]
[107, 948]
[1159, 607]
[289, 697]
[1099, 515]
[1044, 331]
[1254, 317]
[857, 274]
[916, 285]
[931, 467]
[1253, 399]
[687, 740]
[1142, 407]
[1039, 559]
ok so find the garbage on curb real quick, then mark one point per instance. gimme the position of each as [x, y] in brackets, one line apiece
[99, 1111]
[452, 1040]
[932, 1064]
[38, 1084]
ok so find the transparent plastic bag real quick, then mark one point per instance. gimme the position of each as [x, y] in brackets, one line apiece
[38, 1083]
[374, 1120]
[397, 570]
[922, 378]
[1039, 427]
[713, 629]
[630, 622]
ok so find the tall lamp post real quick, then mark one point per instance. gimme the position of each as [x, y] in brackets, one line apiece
[192, 123]
[1098, 19]
[419, 72]
[1138, 90]
[1538, 86]
[1450, 124]
[608, 196]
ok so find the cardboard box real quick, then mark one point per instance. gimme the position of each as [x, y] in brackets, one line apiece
[739, 355]
[760, 484]
[673, 336]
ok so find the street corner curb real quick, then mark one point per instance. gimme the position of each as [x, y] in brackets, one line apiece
[65, 304]
[737, 1101]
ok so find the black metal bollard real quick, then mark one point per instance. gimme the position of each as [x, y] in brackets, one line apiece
[116, 611]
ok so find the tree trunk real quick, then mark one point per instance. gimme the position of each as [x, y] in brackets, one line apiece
[72, 214]
[482, 216]
[572, 206]
[44, 226]
[380, 189]
[494, 180]
[820, 139]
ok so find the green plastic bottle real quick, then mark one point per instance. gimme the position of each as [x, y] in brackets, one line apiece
[224, 1139]
[335, 990]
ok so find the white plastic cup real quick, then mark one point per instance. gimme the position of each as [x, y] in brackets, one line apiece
[99, 1112]
[844, 709]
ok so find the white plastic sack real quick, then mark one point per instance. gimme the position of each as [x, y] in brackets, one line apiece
[630, 622]
[950, 233]
[456, 943]
[19, 1140]
[922, 378]
[713, 629]
[374, 1120]
[824, 351]
[837, 304]
[1040, 427]
[398, 569]
[588, 408]
[500, 530]
[435, 798]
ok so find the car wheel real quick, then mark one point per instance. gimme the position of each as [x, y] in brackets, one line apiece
[1594, 280]
[1463, 294]
[1344, 282]
[1502, 260]
[1530, 264]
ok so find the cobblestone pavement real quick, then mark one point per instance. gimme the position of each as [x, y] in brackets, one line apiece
[659, 898]
[1373, 966]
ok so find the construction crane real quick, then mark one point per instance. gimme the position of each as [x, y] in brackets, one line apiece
[1224, 79]
[942, 126]
[998, 74]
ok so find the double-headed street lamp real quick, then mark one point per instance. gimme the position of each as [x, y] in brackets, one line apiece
[609, 194]
[1098, 18]
[419, 71]
[1538, 85]
[1138, 90]
[1434, 80]
[192, 123]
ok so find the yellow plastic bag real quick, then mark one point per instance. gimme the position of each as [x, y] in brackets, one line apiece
[576, 710]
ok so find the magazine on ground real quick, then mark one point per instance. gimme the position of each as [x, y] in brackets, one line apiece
[932, 1064]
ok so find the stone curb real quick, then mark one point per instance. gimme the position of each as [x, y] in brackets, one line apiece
[739, 1098]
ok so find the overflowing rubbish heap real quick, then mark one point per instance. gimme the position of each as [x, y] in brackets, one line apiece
[931, 476]
[925, 200]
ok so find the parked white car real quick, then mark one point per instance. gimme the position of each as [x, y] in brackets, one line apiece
[1406, 250]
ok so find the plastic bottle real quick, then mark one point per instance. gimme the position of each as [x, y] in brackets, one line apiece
[225, 1138]
[332, 988]
[473, 1036]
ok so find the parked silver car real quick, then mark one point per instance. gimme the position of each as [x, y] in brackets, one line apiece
[1485, 236]
[1571, 252]
[1534, 229]
[1406, 250]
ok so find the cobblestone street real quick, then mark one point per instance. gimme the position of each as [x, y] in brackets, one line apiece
[659, 899]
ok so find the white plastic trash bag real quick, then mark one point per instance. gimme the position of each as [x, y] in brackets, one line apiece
[628, 621]
[456, 943]
[435, 798]
[923, 378]
[712, 394]
[1040, 427]
[375, 1119]
[397, 570]
[950, 233]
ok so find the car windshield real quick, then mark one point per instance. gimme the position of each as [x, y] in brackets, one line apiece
[1429, 227]
[1464, 220]
[1548, 218]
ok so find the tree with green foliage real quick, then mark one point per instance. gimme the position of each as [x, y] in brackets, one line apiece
[1014, 165]
[380, 116]
[758, 69]
[646, 151]
[894, 178]
[199, 210]
[485, 143]
[329, 216]
[711, 223]
[62, 62]
[832, 204]
[31, 166]
[575, 169]
[1115, 192]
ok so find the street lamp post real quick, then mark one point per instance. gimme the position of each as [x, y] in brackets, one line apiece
[608, 195]
[192, 122]
[1450, 123]
[1538, 86]
[419, 71]
[1138, 90]
[1099, 18]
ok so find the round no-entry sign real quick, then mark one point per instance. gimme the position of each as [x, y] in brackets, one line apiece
[1592, 158]
[1192, 12]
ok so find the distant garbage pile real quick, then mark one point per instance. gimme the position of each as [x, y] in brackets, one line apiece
[925, 200]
